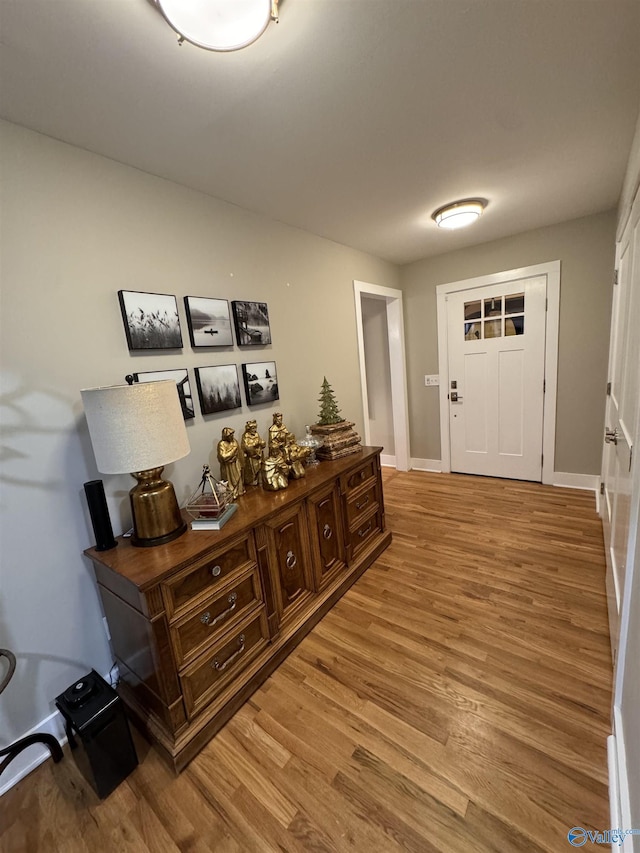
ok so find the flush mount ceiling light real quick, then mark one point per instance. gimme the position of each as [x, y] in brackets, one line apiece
[459, 214]
[218, 24]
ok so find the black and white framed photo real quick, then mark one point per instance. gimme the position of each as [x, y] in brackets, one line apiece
[251, 322]
[181, 378]
[218, 388]
[209, 321]
[150, 320]
[260, 382]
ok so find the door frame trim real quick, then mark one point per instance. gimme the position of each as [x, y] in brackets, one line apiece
[552, 322]
[397, 362]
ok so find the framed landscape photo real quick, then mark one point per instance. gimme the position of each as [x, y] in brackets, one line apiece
[251, 322]
[260, 382]
[181, 378]
[209, 321]
[150, 320]
[218, 388]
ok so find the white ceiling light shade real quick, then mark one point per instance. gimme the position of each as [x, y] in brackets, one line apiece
[219, 24]
[459, 214]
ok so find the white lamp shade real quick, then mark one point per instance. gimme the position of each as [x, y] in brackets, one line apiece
[135, 427]
[217, 24]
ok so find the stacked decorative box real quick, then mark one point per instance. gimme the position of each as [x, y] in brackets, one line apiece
[337, 439]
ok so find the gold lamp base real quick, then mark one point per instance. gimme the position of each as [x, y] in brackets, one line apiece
[156, 515]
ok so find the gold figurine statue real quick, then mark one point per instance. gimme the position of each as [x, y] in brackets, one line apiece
[252, 447]
[295, 457]
[275, 469]
[230, 462]
[278, 434]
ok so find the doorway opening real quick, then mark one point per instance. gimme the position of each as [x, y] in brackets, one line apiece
[383, 381]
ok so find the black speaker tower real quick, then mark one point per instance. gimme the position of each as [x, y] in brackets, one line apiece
[99, 513]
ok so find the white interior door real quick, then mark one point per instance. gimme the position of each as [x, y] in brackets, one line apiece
[496, 371]
[621, 420]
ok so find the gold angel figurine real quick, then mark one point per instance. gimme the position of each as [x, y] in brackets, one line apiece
[252, 447]
[230, 462]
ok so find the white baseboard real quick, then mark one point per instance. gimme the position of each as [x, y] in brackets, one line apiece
[619, 790]
[33, 757]
[588, 482]
[434, 465]
[387, 461]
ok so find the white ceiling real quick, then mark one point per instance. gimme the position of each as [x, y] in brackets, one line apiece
[352, 119]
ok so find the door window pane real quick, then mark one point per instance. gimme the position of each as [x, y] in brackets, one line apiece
[514, 325]
[492, 328]
[472, 331]
[472, 310]
[493, 307]
[514, 304]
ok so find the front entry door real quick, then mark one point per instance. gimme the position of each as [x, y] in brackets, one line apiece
[496, 361]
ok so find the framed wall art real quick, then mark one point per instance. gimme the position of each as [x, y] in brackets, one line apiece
[260, 382]
[218, 388]
[150, 320]
[181, 378]
[251, 322]
[209, 321]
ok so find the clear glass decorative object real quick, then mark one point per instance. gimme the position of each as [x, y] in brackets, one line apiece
[313, 443]
[211, 498]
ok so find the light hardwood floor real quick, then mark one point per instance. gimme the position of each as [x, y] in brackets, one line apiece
[456, 699]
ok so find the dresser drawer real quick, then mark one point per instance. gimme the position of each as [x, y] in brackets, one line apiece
[360, 502]
[215, 669]
[186, 588]
[365, 530]
[365, 473]
[193, 632]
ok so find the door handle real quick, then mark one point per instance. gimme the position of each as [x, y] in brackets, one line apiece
[455, 397]
[611, 435]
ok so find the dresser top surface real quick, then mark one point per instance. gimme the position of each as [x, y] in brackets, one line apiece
[145, 566]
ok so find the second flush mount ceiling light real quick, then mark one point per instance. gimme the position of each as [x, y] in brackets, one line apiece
[221, 25]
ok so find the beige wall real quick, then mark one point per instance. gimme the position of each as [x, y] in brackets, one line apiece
[585, 248]
[77, 228]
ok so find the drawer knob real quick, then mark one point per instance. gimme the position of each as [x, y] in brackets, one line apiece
[362, 503]
[215, 571]
[221, 666]
[364, 530]
[327, 532]
[206, 617]
[291, 560]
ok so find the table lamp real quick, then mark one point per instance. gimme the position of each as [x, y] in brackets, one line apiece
[138, 429]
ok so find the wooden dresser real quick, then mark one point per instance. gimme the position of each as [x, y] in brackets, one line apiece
[198, 624]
